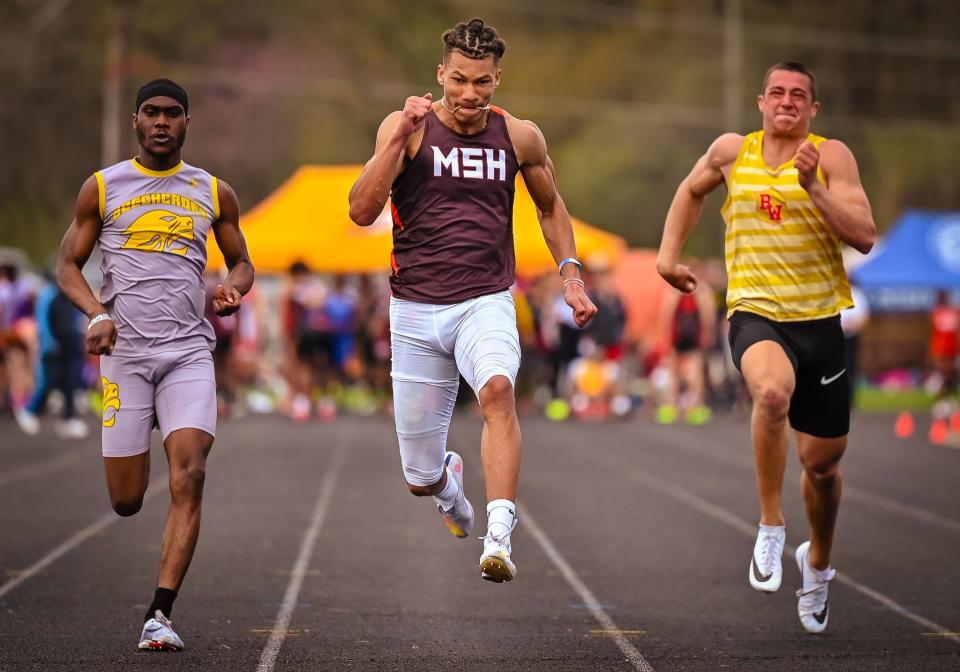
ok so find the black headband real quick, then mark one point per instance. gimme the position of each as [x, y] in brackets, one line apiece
[162, 87]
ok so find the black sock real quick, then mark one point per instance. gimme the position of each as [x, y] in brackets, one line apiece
[162, 600]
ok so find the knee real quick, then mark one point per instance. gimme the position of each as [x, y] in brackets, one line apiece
[822, 472]
[187, 481]
[420, 490]
[772, 401]
[127, 507]
[497, 396]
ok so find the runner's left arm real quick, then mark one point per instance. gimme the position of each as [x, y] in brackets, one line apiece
[842, 202]
[540, 178]
[239, 280]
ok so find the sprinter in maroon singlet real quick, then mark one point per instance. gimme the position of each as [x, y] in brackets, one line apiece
[449, 167]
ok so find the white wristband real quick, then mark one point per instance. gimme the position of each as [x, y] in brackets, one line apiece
[573, 281]
[98, 318]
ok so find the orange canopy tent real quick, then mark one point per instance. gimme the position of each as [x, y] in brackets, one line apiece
[307, 219]
[642, 291]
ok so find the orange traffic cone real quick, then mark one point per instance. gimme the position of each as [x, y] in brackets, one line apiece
[904, 426]
[938, 432]
[955, 422]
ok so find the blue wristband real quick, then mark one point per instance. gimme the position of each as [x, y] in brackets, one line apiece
[569, 260]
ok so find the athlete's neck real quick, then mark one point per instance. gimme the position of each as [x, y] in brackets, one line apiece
[454, 122]
[779, 148]
[157, 163]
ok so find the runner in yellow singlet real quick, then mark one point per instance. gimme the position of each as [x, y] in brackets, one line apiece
[794, 199]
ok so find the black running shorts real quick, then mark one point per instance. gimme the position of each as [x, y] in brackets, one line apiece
[821, 400]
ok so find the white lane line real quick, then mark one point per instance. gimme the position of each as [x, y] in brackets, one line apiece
[850, 492]
[695, 501]
[609, 628]
[33, 470]
[103, 522]
[268, 657]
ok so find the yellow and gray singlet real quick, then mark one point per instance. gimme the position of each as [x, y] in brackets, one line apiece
[154, 244]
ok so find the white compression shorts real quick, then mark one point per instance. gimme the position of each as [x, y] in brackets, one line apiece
[432, 344]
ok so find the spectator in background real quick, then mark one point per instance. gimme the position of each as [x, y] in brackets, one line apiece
[373, 332]
[61, 340]
[606, 329]
[566, 347]
[309, 338]
[341, 310]
[17, 337]
[689, 326]
[853, 321]
[944, 329]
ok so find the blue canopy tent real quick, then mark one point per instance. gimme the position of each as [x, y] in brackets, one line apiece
[919, 256]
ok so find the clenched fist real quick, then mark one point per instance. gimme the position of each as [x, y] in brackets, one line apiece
[679, 276]
[101, 338]
[226, 300]
[583, 309]
[415, 110]
[806, 162]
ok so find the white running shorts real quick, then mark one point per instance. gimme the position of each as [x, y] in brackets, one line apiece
[432, 346]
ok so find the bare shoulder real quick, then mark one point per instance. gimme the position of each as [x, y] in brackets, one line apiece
[88, 200]
[528, 142]
[91, 185]
[225, 190]
[390, 122]
[723, 151]
[229, 205]
[834, 150]
[523, 130]
[389, 125]
[837, 162]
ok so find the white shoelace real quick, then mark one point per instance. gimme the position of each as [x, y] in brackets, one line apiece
[771, 549]
[813, 598]
[499, 538]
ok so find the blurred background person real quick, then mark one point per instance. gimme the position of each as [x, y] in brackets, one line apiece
[310, 339]
[607, 327]
[944, 330]
[372, 328]
[60, 367]
[17, 340]
[688, 326]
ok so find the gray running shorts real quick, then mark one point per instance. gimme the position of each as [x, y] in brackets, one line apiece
[177, 390]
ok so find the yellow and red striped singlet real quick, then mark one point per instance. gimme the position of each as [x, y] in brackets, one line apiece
[783, 261]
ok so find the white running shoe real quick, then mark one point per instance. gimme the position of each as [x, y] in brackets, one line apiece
[812, 603]
[459, 518]
[495, 563]
[158, 635]
[766, 569]
[28, 422]
[73, 428]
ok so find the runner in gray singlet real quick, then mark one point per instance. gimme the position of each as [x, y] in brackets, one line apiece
[151, 216]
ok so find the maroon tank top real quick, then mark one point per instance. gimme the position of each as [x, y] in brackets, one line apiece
[453, 215]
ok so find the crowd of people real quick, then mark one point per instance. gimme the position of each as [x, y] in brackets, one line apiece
[313, 345]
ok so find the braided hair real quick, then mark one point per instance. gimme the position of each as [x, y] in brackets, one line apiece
[473, 39]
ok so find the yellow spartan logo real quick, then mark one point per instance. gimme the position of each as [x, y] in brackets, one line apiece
[111, 401]
[160, 231]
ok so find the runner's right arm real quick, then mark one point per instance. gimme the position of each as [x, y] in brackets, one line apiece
[707, 175]
[372, 189]
[75, 249]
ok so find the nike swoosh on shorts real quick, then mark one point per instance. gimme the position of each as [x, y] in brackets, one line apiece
[826, 381]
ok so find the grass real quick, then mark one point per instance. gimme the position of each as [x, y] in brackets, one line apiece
[878, 399]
